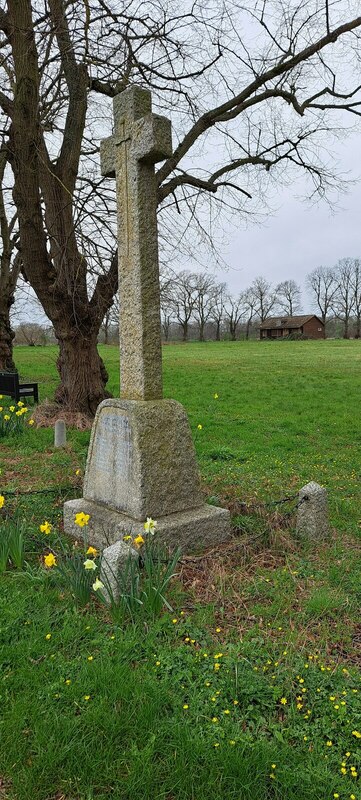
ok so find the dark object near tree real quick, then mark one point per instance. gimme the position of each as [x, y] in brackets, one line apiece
[307, 326]
[9, 385]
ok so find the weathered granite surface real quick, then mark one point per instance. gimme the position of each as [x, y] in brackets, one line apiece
[193, 531]
[114, 565]
[141, 459]
[312, 513]
[140, 140]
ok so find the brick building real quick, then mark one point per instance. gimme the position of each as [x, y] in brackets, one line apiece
[307, 326]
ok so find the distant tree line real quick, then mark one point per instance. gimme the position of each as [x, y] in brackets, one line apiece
[194, 305]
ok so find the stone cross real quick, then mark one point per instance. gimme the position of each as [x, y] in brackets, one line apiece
[140, 139]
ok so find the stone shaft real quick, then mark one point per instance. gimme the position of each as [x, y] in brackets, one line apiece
[140, 140]
[312, 513]
[60, 433]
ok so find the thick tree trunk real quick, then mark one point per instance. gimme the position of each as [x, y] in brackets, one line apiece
[358, 327]
[184, 331]
[6, 338]
[82, 373]
[201, 331]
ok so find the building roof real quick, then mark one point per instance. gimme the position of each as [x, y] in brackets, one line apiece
[287, 322]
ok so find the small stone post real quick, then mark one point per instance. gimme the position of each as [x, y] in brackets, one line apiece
[312, 513]
[59, 433]
[115, 561]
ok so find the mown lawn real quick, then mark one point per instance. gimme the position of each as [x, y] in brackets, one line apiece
[250, 688]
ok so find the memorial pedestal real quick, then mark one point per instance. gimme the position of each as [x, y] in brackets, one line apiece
[141, 463]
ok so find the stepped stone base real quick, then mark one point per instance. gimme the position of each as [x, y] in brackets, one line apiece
[193, 530]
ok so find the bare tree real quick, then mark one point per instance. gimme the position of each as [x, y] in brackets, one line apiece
[289, 297]
[234, 310]
[343, 303]
[265, 298]
[261, 106]
[322, 285]
[204, 287]
[356, 289]
[183, 299]
[10, 265]
[218, 306]
[250, 305]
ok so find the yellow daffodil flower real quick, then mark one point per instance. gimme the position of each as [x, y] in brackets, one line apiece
[6, 417]
[31, 422]
[89, 564]
[138, 541]
[150, 525]
[11, 408]
[98, 585]
[2, 500]
[91, 551]
[50, 560]
[81, 519]
[45, 527]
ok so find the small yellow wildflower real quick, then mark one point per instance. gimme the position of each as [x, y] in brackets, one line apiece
[283, 701]
[68, 682]
[11, 408]
[186, 705]
[227, 711]
[218, 630]
[31, 422]
[232, 741]
[50, 560]
[78, 472]
[7, 417]
[45, 527]
[217, 667]
[90, 658]
[2, 500]
[126, 538]
[214, 719]
[87, 697]
[357, 734]
[48, 636]
[199, 427]
[91, 551]
[329, 743]
[174, 621]
[81, 519]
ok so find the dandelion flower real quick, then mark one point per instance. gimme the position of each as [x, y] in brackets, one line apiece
[90, 658]
[186, 705]
[48, 636]
[87, 697]
[283, 701]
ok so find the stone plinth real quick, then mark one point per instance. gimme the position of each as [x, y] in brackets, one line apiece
[141, 463]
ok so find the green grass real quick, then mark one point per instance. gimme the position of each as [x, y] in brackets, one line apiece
[285, 617]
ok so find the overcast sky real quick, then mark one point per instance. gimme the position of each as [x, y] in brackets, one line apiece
[299, 237]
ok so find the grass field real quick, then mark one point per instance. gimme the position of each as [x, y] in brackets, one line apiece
[92, 709]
